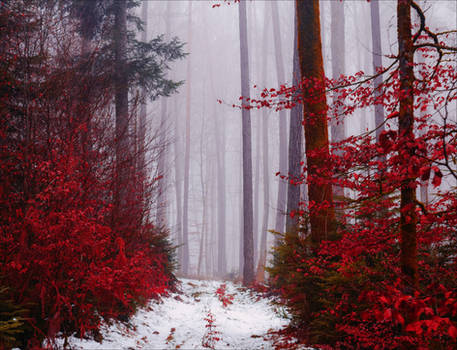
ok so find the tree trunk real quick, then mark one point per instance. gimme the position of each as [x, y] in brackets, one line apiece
[295, 147]
[141, 163]
[161, 218]
[178, 187]
[338, 64]
[408, 235]
[121, 89]
[204, 189]
[282, 187]
[220, 162]
[377, 63]
[315, 119]
[248, 244]
[260, 274]
[185, 219]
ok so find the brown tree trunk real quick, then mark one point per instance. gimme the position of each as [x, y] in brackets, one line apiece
[248, 240]
[315, 118]
[408, 235]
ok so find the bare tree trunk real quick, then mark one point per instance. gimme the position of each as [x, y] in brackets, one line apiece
[256, 190]
[185, 220]
[282, 188]
[161, 218]
[248, 244]
[122, 111]
[220, 160]
[141, 134]
[260, 274]
[316, 132]
[377, 64]
[338, 64]
[178, 189]
[204, 196]
[241, 216]
[408, 219]
[213, 212]
[295, 147]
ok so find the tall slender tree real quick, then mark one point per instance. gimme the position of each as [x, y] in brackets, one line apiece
[162, 185]
[260, 273]
[185, 220]
[282, 186]
[338, 64]
[121, 89]
[408, 218]
[322, 221]
[377, 64]
[295, 145]
[248, 241]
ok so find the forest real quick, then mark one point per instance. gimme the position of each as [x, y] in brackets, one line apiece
[242, 174]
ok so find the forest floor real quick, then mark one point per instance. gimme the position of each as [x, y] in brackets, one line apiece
[206, 314]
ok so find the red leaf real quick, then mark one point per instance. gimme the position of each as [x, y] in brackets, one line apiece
[452, 331]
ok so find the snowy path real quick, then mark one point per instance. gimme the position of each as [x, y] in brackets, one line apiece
[179, 322]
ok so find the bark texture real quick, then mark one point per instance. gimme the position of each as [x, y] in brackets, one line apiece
[282, 186]
[408, 234]
[248, 241]
[185, 217]
[315, 119]
[338, 63]
[121, 105]
[377, 63]
[295, 146]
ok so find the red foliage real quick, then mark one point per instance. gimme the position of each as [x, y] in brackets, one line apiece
[348, 291]
[62, 254]
[224, 298]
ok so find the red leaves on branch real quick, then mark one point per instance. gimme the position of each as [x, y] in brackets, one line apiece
[347, 293]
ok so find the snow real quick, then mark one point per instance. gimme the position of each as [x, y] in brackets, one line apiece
[179, 321]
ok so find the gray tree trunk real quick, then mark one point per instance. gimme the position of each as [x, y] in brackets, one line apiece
[122, 113]
[295, 146]
[260, 275]
[204, 188]
[377, 63]
[178, 189]
[338, 67]
[282, 187]
[185, 219]
[248, 244]
[220, 160]
[141, 130]
[161, 217]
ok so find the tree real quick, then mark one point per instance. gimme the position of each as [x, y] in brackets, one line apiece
[162, 193]
[248, 240]
[295, 147]
[282, 188]
[377, 64]
[338, 67]
[123, 157]
[185, 220]
[322, 216]
[408, 219]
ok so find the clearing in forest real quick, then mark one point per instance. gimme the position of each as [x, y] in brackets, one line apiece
[208, 314]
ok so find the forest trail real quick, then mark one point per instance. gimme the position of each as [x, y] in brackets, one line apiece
[183, 321]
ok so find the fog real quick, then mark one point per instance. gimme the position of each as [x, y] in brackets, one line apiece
[211, 75]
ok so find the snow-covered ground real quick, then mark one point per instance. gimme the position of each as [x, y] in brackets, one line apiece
[181, 321]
